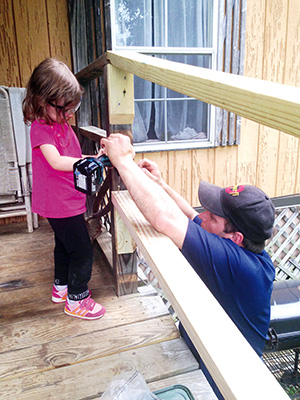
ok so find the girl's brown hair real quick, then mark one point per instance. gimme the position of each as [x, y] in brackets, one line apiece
[50, 82]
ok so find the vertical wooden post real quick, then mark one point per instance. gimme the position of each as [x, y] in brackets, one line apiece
[120, 97]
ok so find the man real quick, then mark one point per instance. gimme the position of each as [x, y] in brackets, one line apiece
[224, 244]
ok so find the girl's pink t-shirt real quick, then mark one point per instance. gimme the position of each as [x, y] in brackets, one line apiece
[53, 192]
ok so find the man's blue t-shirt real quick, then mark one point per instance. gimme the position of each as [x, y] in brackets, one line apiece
[240, 280]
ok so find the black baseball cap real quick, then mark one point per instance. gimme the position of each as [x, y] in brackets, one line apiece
[247, 207]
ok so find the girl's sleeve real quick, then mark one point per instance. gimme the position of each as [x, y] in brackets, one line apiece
[41, 134]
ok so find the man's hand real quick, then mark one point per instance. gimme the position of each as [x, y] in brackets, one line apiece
[153, 201]
[118, 148]
[151, 169]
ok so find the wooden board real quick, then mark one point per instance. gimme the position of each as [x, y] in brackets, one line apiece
[203, 162]
[225, 166]
[44, 351]
[180, 169]
[254, 57]
[92, 132]
[156, 361]
[75, 348]
[49, 321]
[31, 23]
[105, 242]
[26, 262]
[194, 305]
[9, 71]
[57, 16]
[288, 164]
[269, 103]
[22, 309]
[120, 96]
[273, 69]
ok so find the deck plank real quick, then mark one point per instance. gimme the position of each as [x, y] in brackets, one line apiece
[44, 352]
[76, 349]
[22, 281]
[153, 362]
[119, 312]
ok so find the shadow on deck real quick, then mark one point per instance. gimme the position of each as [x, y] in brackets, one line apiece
[47, 354]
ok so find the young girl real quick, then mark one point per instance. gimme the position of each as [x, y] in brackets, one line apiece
[53, 96]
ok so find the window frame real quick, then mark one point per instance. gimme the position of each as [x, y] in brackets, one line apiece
[157, 51]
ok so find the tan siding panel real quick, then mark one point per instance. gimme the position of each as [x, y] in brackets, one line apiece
[203, 167]
[180, 172]
[226, 166]
[162, 160]
[9, 71]
[57, 12]
[247, 153]
[248, 148]
[32, 35]
[288, 163]
[273, 70]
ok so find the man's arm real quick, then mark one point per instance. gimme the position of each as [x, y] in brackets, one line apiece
[154, 203]
[151, 169]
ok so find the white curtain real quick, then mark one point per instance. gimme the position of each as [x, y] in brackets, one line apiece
[188, 23]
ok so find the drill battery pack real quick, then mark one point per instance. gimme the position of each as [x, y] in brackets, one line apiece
[88, 174]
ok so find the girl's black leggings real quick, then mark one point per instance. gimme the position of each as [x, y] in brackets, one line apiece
[73, 255]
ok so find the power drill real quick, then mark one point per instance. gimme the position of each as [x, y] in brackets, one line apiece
[88, 173]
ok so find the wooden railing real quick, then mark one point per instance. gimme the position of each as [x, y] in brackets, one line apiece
[268, 103]
[233, 364]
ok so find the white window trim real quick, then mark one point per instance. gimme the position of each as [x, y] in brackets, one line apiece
[180, 144]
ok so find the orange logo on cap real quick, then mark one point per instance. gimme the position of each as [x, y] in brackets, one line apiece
[235, 190]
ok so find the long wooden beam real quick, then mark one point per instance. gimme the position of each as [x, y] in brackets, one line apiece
[268, 103]
[238, 371]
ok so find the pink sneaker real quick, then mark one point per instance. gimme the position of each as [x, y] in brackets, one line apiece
[85, 309]
[59, 296]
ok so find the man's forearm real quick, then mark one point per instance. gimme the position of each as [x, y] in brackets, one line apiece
[185, 207]
[157, 206]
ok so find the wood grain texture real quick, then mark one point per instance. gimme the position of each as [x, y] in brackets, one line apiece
[120, 96]
[162, 160]
[75, 349]
[185, 291]
[32, 35]
[225, 166]
[120, 312]
[269, 103]
[159, 359]
[124, 242]
[288, 157]
[57, 16]
[180, 171]
[44, 352]
[273, 69]
[203, 162]
[253, 64]
[9, 71]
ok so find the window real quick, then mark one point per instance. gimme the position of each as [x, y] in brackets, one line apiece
[184, 31]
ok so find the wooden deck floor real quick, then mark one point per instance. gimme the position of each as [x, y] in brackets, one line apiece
[46, 354]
